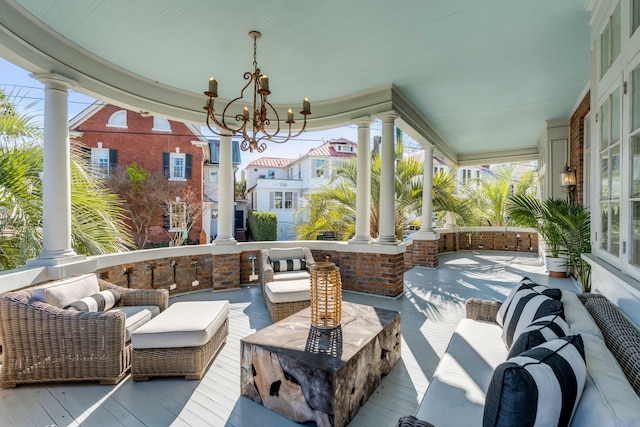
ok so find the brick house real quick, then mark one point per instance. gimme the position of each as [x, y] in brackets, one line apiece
[114, 137]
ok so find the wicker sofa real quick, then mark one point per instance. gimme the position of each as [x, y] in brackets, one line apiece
[612, 349]
[44, 342]
[285, 292]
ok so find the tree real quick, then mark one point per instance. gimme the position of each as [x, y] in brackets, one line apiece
[97, 220]
[333, 207]
[240, 189]
[187, 207]
[488, 195]
[144, 194]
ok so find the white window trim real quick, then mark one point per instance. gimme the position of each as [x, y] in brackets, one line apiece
[115, 120]
[184, 216]
[596, 217]
[159, 120]
[95, 164]
[173, 156]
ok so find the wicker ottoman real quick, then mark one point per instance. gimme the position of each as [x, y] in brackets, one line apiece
[180, 341]
[287, 297]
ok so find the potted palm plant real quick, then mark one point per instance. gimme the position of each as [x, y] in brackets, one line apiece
[527, 211]
[575, 231]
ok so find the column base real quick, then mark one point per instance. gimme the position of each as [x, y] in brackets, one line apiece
[425, 235]
[360, 240]
[225, 241]
[49, 260]
[387, 240]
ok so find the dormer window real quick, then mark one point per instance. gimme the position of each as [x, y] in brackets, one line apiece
[339, 147]
[160, 124]
[118, 119]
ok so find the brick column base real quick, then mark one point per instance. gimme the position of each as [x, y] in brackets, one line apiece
[226, 271]
[425, 253]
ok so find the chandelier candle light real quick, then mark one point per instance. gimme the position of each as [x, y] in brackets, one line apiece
[253, 129]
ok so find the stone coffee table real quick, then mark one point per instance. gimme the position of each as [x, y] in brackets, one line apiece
[321, 375]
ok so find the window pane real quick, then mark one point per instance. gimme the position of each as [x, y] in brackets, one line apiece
[635, 248]
[177, 167]
[604, 231]
[616, 34]
[604, 171]
[604, 51]
[604, 125]
[615, 229]
[288, 200]
[616, 182]
[635, 99]
[635, 166]
[278, 200]
[635, 15]
[615, 116]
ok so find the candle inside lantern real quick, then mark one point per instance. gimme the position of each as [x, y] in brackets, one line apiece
[245, 113]
[289, 116]
[306, 106]
[213, 87]
[264, 82]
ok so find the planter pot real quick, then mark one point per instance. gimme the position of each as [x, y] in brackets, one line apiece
[557, 267]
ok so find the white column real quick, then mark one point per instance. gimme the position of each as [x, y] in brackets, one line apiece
[363, 184]
[225, 193]
[386, 217]
[56, 173]
[427, 191]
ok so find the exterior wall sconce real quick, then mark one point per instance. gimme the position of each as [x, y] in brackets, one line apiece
[568, 182]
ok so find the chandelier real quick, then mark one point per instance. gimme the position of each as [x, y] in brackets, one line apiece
[252, 125]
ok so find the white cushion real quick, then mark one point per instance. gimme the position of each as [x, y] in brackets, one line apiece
[291, 275]
[607, 399]
[286, 253]
[577, 316]
[136, 316]
[288, 291]
[183, 324]
[540, 387]
[526, 306]
[63, 292]
[102, 301]
[463, 375]
[525, 283]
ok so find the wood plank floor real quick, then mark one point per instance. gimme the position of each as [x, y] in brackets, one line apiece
[431, 307]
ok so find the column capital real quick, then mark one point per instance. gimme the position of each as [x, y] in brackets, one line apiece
[54, 80]
[363, 121]
[388, 117]
[428, 148]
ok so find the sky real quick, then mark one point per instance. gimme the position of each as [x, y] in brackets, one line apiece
[30, 92]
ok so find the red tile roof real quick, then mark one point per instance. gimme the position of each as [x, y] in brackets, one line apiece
[328, 150]
[274, 162]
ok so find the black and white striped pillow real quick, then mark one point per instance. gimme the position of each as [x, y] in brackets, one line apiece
[526, 307]
[288, 265]
[525, 283]
[542, 330]
[101, 301]
[540, 387]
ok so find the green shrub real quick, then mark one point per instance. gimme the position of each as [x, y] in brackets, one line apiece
[263, 226]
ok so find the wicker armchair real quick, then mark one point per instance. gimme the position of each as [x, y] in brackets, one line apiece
[281, 309]
[44, 343]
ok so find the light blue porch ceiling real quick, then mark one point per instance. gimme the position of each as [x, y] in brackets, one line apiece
[484, 74]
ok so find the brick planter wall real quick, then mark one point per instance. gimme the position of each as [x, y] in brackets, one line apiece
[245, 266]
[226, 271]
[159, 274]
[380, 274]
[499, 241]
[425, 253]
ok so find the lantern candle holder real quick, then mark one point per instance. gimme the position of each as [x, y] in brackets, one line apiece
[326, 295]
